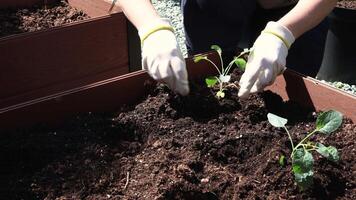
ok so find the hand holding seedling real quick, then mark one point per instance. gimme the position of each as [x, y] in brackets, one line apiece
[302, 159]
[161, 56]
[267, 59]
[224, 77]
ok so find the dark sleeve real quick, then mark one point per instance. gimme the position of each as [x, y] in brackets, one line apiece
[230, 10]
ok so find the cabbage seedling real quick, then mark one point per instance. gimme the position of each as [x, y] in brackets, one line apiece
[302, 159]
[224, 76]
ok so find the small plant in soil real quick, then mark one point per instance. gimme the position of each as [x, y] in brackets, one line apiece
[224, 77]
[302, 159]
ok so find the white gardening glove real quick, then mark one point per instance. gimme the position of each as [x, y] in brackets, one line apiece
[267, 59]
[161, 56]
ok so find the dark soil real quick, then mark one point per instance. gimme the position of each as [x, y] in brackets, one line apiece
[38, 17]
[173, 147]
[350, 4]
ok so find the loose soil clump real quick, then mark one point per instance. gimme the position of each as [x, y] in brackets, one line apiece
[38, 17]
[174, 147]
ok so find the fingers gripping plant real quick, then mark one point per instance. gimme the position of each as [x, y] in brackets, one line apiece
[302, 159]
[224, 76]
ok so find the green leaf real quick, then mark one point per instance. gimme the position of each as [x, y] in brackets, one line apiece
[327, 122]
[220, 94]
[303, 168]
[199, 58]
[282, 160]
[304, 180]
[303, 160]
[329, 152]
[241, 63]
[216, 48]
[276, 120]
[211, 81]
[224, 78]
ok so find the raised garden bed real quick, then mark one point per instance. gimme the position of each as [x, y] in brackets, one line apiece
[38, 17]
[172, 147]
[44, 62]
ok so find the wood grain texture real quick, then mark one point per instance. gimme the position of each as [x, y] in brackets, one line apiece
[110, 94]
[313, 94]
[94, 8]
[105, 95]
[49, 61]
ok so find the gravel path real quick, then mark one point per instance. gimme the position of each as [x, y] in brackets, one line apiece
[171, 9]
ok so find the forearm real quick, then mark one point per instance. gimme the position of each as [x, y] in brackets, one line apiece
[306, 15]
[139, 12]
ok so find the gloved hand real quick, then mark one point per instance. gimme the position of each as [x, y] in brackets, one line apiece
[267, 59]
[161, 56]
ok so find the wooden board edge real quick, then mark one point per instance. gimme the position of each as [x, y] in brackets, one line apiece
[52, 29]
[103, 96]
[129, 88]
[312, 93]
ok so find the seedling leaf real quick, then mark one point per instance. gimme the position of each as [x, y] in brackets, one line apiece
[303, 168]
[199, 58]
[282, 160]
[211, 81]
[216, 48]
[224, 78]
[304, 180]
[329, 152]
[327, 122]
[241, 63]
[303, 160]
[276, 120]
[220, 94]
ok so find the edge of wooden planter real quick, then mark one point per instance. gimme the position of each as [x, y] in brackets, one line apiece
[111, 94]
[313, 94]
[101, 96]
[45, 62]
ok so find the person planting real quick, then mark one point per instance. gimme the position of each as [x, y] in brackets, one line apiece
[225, 23]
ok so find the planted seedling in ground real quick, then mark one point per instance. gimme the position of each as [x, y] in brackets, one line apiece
[302, 159]
[224, 77]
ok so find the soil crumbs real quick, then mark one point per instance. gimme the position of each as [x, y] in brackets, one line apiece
[173, 147]
[38, 17]
[349, 4]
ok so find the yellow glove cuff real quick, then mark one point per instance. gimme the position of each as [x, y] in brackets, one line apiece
[279, 36]
[155, 29]
[281, 32]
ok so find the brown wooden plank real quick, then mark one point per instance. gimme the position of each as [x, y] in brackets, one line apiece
[106, 95]
[314, 94]
[46, 62]
[109, 95]
[94, 8]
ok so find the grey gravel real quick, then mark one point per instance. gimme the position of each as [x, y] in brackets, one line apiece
[171, 9]
[351, 89]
